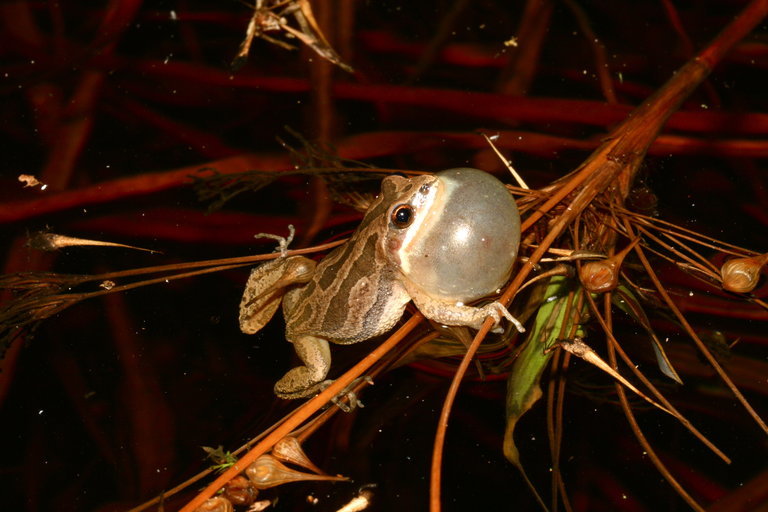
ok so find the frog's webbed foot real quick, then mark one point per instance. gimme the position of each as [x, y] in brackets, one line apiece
[496, 310]
[346, 400]
[284, 391]
[306, 380]
[352, 402]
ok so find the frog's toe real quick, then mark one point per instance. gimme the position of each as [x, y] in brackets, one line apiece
[299, 383]
[496, 310]
[347, 399]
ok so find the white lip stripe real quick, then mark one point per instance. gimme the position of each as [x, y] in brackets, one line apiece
[423, 207]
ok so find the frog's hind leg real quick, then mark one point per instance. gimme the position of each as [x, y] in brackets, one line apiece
[306, 380]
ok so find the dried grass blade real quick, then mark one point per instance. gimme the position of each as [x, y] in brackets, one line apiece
[577, 347]
[625, 300]
[606, 323]
[45, 241]
[614, 345]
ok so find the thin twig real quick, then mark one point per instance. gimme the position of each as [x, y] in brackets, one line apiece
[633, 422]
[692, 333]
[598, 49]
[647, 383]
[304, 412]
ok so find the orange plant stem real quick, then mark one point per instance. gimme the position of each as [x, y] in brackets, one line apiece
[613, 164]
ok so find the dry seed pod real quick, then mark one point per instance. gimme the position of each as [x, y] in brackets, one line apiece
[603, 275]
[741, 275]
[599, 276]
[240, 491]
[217, 504]
[268, 472]
[288, 449]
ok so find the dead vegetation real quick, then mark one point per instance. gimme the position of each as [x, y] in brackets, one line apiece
[673, 314]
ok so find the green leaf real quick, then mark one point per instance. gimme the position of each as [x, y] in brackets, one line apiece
[523, 389]
[221, 459]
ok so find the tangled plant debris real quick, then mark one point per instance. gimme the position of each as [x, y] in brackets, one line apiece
[649, 257]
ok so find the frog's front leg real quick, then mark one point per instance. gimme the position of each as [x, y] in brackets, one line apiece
[452, 313]
[308, 379]
[266, 287]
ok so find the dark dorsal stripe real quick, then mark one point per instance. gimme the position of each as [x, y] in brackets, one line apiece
[337, 310]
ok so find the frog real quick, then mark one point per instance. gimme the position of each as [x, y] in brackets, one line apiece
[440, 240]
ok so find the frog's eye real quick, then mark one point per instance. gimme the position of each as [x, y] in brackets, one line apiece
[402, 216]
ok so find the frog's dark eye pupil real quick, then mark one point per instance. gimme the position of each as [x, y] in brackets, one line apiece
[402, 216]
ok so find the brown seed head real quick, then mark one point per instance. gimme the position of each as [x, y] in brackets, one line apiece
[741, 275]
[217, 504]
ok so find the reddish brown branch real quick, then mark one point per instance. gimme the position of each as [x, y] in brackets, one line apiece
[524, 59]
[633, 422]
[613, 165]
[358, 147]
[497, 107]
